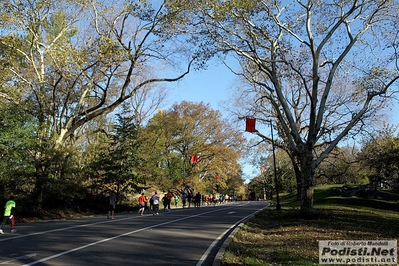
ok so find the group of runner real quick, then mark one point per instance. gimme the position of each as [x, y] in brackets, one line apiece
[187, 200]
[197, 199]
[215, 199]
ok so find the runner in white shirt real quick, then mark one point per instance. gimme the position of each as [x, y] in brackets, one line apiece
[155, 199]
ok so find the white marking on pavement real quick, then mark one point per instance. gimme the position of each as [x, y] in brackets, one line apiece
[62, 229]
[206, 254]
[24, 257]
[114, 237]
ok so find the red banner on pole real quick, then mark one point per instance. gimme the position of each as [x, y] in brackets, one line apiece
[250, 124]
[194, 159]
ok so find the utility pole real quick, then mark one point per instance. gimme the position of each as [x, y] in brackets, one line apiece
[250, 127]
[278, 206]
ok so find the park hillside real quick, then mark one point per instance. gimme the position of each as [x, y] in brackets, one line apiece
[285, 238]
[86, 86]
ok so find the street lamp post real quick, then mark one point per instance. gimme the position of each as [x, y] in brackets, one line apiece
[252, 129]
[278, 206]
[263, 181]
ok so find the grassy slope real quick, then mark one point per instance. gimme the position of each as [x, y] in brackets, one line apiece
[283, 238]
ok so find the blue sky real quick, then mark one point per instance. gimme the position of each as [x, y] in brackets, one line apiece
[212, 86]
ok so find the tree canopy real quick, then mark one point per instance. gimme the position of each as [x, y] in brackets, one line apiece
[380, 157]
[189, 129]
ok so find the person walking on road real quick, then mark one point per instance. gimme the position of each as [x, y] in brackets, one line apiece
[151, 204]
[184, 199]
[111, 206]
[142, 202]
[176, 201]
[9, 215]
[189, 199]
[169, 195]
[155, 199]
[165, 202]
[197, 200]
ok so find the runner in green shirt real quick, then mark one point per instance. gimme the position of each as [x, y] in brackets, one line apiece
[8, 214]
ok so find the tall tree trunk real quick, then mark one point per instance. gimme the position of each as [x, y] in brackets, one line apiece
[306, 172]
[41, 176]
[42, 171]
[298, 175]
[307, 192]
[298, 182]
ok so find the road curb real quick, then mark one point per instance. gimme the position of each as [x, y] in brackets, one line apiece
[219, 255]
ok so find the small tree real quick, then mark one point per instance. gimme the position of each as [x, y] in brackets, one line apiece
[342, 166]
[16, 142]
[118, 166]
[380, 156]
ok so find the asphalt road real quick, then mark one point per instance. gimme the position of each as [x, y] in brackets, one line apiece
[179, 237]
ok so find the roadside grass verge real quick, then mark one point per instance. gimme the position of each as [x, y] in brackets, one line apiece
[285, 238]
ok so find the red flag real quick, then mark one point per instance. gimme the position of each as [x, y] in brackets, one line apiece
[250, 124]
[216, 177]
[194, 159]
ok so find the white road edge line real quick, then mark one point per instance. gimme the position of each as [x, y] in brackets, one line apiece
[206, 254]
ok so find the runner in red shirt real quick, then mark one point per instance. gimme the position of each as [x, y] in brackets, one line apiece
[142, 201]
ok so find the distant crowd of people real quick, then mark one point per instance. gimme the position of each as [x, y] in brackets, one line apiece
[187, 200]
[169, 199]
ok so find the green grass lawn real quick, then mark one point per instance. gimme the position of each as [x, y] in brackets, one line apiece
[284, 238]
